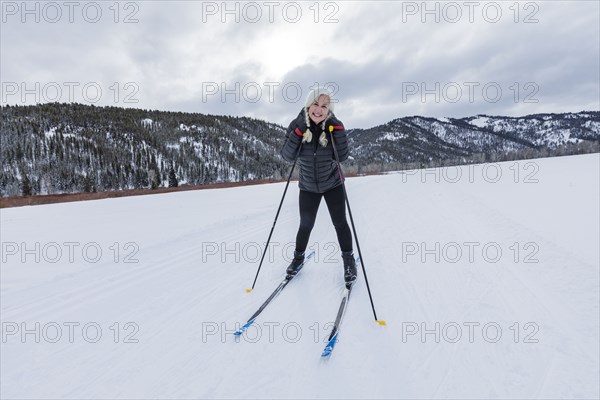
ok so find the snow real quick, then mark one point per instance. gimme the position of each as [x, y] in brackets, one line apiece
[481, 122]
[50, 133]
[593, 126]
[197, 251]
[393, 136]
[184, 127]
[147, 122]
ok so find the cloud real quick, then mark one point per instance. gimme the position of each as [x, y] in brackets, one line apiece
[375, 53]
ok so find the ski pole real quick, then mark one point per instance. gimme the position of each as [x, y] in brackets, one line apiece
[362, 261]
[276, 216]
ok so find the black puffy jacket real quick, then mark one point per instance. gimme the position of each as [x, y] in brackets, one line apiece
[318, 169]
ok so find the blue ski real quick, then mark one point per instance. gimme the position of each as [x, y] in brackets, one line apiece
[278, 290]
[333, 336]
[243, 328]
[329, 348]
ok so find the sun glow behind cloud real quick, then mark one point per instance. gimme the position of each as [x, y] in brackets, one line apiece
[372, 51]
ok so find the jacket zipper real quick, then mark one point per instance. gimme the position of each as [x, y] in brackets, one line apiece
[315, 164]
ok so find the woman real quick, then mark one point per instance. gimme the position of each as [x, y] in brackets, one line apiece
[319, 174]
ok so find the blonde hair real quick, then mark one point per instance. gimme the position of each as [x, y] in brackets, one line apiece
[313, 97]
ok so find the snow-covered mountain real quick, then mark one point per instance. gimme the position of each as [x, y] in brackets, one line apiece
[431, 141]
[61, 148]
[489, 287]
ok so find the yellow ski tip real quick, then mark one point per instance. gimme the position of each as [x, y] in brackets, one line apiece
[381, 322]
[330, 128]
[248, 290]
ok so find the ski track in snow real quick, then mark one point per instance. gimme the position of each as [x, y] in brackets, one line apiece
[176, 293]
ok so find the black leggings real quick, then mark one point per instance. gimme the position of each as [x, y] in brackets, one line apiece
[309, 205]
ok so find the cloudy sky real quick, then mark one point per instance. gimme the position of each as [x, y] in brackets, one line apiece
[382, 59]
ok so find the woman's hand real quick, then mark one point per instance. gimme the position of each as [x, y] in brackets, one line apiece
[338, 132]
[301, 127]
[334, 125]
[301, 121]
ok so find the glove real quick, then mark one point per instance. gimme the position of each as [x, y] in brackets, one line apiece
[334, 124]
[301, 121]
[301, 127]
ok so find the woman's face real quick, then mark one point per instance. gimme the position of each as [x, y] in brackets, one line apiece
[319, 109]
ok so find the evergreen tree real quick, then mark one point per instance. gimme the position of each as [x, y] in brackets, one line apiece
[154, 178]
[88, 183]
[172, 178]
[26, 186]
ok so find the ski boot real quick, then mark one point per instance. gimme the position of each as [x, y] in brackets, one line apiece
[296, 264]
[349, 268]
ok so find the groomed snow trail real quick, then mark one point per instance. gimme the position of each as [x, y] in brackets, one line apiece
[488, 278]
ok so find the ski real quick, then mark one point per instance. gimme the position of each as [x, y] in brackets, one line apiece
[278, 290]
[333, 336]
